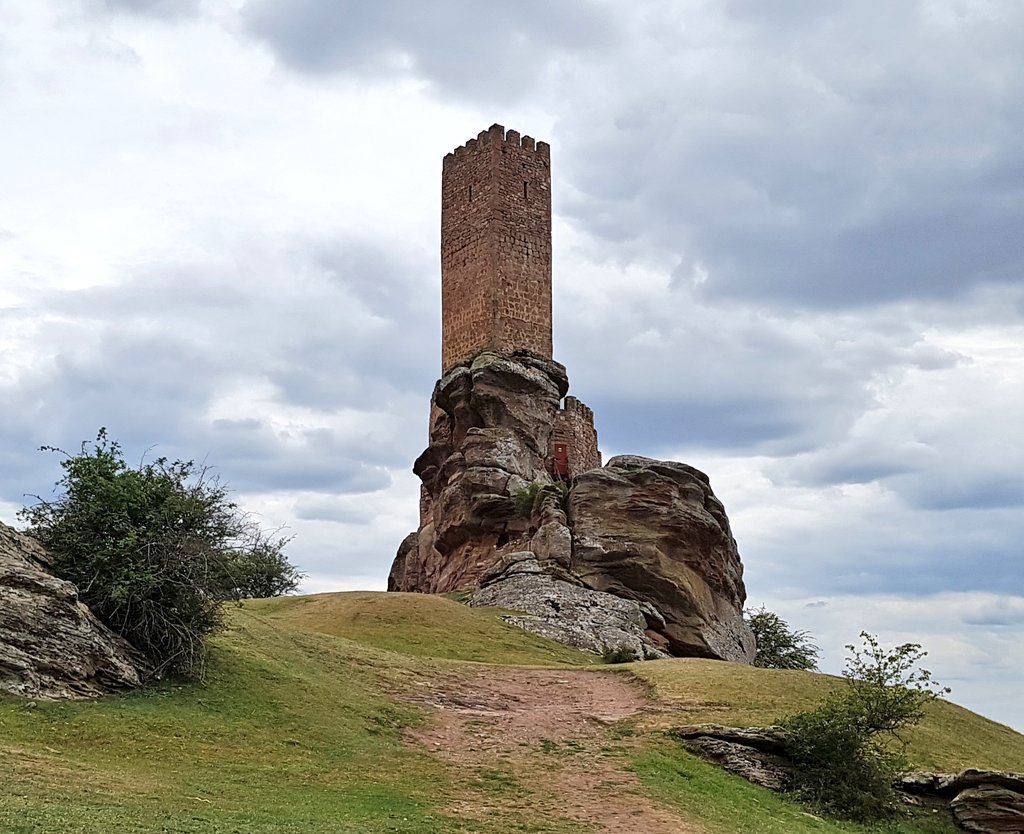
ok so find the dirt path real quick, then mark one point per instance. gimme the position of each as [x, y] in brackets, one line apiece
[539, 748]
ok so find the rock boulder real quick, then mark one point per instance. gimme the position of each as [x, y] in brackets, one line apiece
[565, 611]
[51, 646]
[648, 538]
[979, 801]
[653, 530]
[982, 801]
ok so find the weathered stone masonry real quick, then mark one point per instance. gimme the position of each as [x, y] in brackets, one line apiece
[496, 269]
[574, 430]
[496, 247]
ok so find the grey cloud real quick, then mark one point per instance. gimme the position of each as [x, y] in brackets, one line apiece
[487, 51]
[330, 508]
[856, 461]
[149, 357]
[166, 9]
[640, 426]
[888, 549]
[799, 13]
[959, 486]
[665, 369]
[997, 612]
[794, 170]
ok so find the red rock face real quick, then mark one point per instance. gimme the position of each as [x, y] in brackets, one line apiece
[639, 529]
[489, 438]
[653, 530]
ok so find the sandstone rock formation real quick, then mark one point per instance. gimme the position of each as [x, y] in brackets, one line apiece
[758, 754]
[653, 530]
[638, 531]
[51, 646]
[979, 801]
[567, 611]
[982, 801]
[489, 430]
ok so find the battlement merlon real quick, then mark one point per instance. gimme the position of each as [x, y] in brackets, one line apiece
[497, 134]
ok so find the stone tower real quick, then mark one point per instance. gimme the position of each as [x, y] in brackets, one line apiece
[496, 247]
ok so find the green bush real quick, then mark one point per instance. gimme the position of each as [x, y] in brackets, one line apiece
[848, 751]
[620, 654]
[779, 646]
[528, 499]
[155, 551]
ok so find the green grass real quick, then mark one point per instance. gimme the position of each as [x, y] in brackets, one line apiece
[421, 625]
[296, 730]
[727, 804]
[707, 691]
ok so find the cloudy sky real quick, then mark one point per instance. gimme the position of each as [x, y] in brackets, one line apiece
[788, 251]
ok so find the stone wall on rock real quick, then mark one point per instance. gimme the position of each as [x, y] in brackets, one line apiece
[574, 428]
[643, 536]
[496, 247]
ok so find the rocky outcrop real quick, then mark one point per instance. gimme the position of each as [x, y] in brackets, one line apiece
[982, 801]
[638, 535]
[489, 432]
[758, 754]
[565, 610]
[51, 646]
[979, 801]
[653, 530]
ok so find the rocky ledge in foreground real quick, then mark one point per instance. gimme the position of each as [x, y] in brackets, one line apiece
[51, 645]
[637, 553]
[980, 801]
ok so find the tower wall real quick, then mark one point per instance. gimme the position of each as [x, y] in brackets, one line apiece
[496, 247]
[574, 427]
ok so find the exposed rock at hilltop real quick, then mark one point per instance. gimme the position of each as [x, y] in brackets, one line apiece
[51, 645]
[567, 611]
[982, 801]
[653, 530]
[979, 801]
[489, 431]
[645, 535]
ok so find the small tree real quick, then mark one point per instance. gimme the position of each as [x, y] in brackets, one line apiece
[779, 646]
[848, 751]
[155, 551]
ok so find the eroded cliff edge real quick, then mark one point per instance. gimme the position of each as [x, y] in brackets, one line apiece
[638, 553]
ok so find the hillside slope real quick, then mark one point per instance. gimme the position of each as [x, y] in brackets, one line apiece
[374, 713]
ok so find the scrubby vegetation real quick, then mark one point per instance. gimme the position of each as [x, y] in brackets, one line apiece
[778, 645]
[849, 750]
[156, 550]
[528, 499]
[620, 654]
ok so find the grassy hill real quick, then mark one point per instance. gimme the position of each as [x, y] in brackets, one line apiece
[303, 725]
